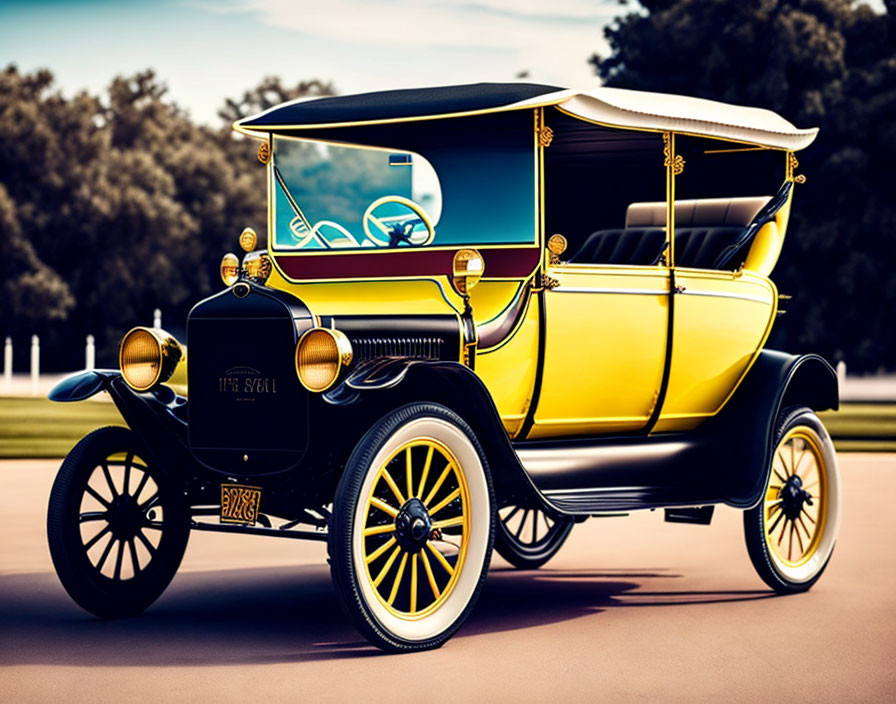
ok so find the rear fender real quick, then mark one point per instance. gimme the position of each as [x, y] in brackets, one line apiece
[747, 423]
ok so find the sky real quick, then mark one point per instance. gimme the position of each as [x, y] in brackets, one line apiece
[207, 50]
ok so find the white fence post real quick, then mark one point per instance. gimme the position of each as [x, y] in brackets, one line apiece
[35, 364]
[7, 362]
[841, 373]
[90, 354]
[157, 319]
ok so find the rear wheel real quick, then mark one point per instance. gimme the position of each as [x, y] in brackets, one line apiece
[528, 537]
[117, 526]
[791, 533]
[412, 528]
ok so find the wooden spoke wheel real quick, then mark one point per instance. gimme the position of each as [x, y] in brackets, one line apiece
[529, 537]
[413, 528]
[791, 533]
[117, 527]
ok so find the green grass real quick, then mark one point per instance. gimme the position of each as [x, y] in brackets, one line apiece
[37, 427]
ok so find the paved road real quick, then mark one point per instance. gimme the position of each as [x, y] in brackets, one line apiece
[631, 609]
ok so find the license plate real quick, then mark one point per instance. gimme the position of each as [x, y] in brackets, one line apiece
[239, 504]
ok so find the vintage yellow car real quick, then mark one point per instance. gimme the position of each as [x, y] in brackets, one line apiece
[483, 314]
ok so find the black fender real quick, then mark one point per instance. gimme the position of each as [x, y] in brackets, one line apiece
[82, 385]
[746, 424]
[389, 383]
[154, 416]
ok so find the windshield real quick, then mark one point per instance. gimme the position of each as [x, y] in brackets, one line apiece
[329, 196]
[468, 182]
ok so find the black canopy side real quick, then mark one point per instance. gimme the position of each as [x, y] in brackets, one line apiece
[397, 104]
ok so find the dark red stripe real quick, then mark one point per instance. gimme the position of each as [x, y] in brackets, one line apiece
[516, 262]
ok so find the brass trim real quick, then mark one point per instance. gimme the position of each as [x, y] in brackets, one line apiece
[169, 353]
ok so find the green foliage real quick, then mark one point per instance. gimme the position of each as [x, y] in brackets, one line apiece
[828, 63]
[111, 207]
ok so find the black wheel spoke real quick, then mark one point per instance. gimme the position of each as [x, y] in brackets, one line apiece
[141, 484]
[148, 545]
[118, 560]
[506, 519]
[93, 516]
[135, 564]
[149, 503]
[95, 539]
[127, 472]
[535, 514]
[775, 524]
[106, 551]
[93, 492]
[519, 530]
[109, 481]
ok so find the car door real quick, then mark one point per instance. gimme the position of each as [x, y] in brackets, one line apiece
[721, 321]
[604, 348]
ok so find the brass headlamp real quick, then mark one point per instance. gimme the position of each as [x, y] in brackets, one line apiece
[322, 355]
[148, 357]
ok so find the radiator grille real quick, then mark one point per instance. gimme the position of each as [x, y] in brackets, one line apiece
[414, 347]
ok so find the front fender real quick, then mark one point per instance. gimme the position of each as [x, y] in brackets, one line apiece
[82, 385]
[395, 382]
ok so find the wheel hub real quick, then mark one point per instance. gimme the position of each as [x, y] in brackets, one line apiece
[413, 526]
[793, 496]
[124, 517]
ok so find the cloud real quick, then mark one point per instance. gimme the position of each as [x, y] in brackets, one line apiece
[548, 38]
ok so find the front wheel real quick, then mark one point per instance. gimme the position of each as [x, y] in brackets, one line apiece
[117, 526]
[791, 533]
[412, 528]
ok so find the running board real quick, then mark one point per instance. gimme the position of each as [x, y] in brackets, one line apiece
[605, 475]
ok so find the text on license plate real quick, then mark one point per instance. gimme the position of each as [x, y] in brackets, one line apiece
[239, 504]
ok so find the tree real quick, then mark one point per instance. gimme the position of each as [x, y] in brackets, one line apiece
[829, 63]
[112, 206]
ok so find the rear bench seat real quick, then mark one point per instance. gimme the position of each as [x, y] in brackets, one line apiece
[703, 230]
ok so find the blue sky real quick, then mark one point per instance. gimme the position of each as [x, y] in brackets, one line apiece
[207, 50]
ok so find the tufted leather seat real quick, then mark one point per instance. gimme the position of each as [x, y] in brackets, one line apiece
[640, 246]
[704, 229]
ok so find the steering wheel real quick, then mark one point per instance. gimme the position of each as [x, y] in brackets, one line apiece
[393, 230]
[299, 230]
[315, 231]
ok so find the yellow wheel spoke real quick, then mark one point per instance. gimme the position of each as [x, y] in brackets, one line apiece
[387, 566]
[799, 461]
[783, 462]
[429, 575]
[379, 530]
[441, 558]
[398, 576]
[414, 584]
[379, 551]
[383, 506]
[393, 486]
[435, 489]
[426, 466]
[449, 522]
[409, 473]
[444, 502]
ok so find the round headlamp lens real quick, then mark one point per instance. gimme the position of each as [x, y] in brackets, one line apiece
[321, 355]
[148, 357]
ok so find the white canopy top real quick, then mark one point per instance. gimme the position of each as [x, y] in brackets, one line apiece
[678, 113]
[609, 106]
